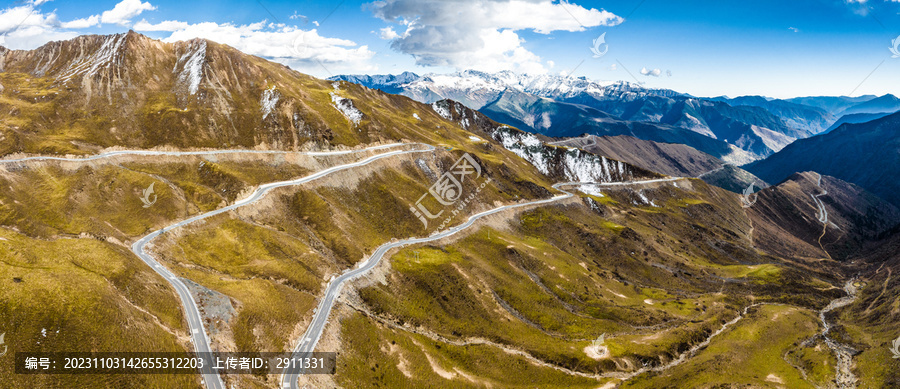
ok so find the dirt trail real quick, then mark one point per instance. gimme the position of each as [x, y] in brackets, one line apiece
[844, 376]
[821, 212]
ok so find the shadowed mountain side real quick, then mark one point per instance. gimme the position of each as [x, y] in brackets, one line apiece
[866, 154]
[667, 158]
[786, 219]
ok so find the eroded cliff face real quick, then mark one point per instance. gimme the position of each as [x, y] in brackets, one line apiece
[559, 163]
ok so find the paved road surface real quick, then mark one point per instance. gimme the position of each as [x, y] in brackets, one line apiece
[198, 332]
[192, 314]
[309, 339]
[822, 213]
[186, 153]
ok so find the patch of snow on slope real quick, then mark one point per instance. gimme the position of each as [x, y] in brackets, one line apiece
[268, 101]
[581, 169]
[192, 65]
[526, 146]
[576, 165]
[416, 116]
[444, 112]
[593, 190]
[346, 107]
[105, 56]
[644, 199]
[464, 122]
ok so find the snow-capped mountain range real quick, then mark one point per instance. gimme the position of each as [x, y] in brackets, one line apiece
[741, 129]
[476, 89]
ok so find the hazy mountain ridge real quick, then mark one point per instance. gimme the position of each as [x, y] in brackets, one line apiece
[811, 119]
[865, 154]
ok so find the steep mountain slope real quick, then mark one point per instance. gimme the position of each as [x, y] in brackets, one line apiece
[128, 90]
[787, 218]
[882, 104]
[831, 104]
[864, 154]
[562, 164]
[856, 118]
[652, 288]
[811, 119]
[869, 324]
[749, 128]
[667, 158]
[555, 119]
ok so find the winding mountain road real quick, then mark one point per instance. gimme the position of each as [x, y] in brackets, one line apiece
[716, 170]
[117, 153]
[844, 376]
[192, 311]
[211, 379]
[316, 327]
[822, 213]
[309, 340]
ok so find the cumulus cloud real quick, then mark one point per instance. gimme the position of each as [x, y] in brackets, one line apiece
[25, 27]
[651, 72]
[125, 10]
[167, 25]
[90, 21]
[479, 34]
[389, 33]
[304, 50]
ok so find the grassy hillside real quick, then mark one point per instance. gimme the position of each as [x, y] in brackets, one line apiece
[547, 282]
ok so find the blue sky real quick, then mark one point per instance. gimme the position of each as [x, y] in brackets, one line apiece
[773, 48]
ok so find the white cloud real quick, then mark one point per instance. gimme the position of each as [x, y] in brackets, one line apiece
[125, 10]
[167, 25]
[90, 21]
[303, 50]
[795, 29]
[651, 72]
[25, 27]
[481, 34]
[389, 33]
